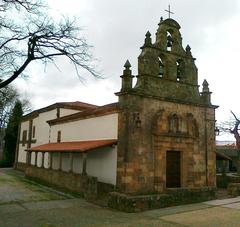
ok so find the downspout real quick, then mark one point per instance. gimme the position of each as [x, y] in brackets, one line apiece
[49, 134]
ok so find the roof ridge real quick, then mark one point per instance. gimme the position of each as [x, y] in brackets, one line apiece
[99, 110]
[79, 106]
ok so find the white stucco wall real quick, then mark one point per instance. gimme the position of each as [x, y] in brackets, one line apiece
[77, 162]
[55, 161]
[103, 127]
[65, 162]
[22, 153]
[65, 112]
[102, 163]
[42, 127]
[42, 131]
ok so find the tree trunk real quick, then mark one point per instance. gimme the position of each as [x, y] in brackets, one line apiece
[238, 163]
[237, 137]
[1, 142]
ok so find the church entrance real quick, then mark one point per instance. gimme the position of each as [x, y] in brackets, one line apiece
[173, 169]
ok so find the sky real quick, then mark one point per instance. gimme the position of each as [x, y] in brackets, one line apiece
[116, 30]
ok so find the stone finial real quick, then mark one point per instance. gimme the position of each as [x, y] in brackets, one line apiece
[127, 71]
[148, 34]
[161, 19]
[127, 77]
[188, 49]
[148, 40]
[206, 94]
[205, 86]
[127, 65]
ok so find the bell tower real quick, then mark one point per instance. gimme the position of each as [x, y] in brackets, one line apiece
[164, 119]
[165, 68]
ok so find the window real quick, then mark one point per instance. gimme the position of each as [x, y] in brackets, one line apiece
[169, 41]
[59, 136]
[24, 137]
[161, 68]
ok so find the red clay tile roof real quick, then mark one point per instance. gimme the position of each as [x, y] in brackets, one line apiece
[227, 146]
[82, 106]
[78, 146]
[220, 156]
[77, 105]
[96, 112]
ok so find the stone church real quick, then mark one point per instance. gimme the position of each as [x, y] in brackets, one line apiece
[166, 127]
[159, 136]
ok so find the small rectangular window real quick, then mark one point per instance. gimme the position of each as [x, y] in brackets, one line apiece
[24, 137]
[59, 136]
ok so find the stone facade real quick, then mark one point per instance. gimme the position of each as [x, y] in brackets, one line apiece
[166, 126]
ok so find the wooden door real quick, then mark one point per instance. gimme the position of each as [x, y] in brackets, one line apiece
[173, 169]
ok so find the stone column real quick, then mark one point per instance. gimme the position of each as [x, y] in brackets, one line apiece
[29, 157]
[224, 165]
[43, 155]
[84, 169]
[51, 160]
[71, 162]
[60, 161]
[36, 155]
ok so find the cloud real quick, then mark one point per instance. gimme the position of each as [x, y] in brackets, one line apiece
[117, 30]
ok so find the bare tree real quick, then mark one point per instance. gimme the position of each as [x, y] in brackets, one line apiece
[34, 36]
[232, 127]
[8, 96]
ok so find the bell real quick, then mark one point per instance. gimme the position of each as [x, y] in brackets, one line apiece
[169, 43]
[161, 70]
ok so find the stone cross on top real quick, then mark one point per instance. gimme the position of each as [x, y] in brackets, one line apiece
[169, 11]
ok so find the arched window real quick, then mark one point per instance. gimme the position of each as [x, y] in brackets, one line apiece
[169, 41]
[161, 68]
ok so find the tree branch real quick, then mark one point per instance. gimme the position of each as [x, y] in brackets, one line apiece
[40, 40]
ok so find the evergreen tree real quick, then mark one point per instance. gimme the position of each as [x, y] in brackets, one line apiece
[11, 135]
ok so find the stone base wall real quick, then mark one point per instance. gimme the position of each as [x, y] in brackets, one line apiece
[129, 203]
[234, 189]
[104, 188]
[20, 166]
[224, 181]
[81, 184]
